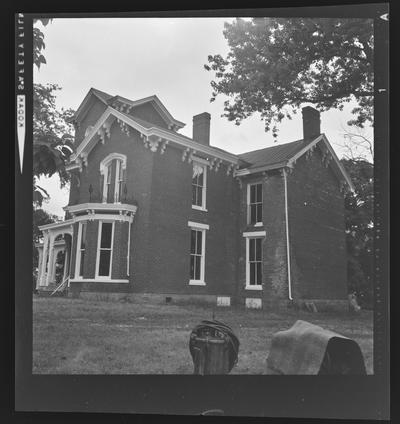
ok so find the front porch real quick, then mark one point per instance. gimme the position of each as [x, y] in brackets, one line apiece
[54, 256]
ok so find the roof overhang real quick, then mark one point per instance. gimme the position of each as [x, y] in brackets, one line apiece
[110, 115]
[56, 225]
[101, 207]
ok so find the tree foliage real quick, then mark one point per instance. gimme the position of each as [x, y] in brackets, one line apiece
[276, 64]
[359, 209]
[38, 43]
[52, 132]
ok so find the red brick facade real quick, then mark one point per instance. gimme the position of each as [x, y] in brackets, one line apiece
[159, 184]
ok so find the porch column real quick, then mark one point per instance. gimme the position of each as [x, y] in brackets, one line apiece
[53, 265]
[40, 260]
[66, 262]
[51, 260]
[42, 271]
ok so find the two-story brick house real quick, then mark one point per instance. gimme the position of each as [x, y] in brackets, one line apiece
[153, 211]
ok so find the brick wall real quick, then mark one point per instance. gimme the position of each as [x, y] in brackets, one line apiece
[274, 271]
[317, 233]
[169, 242]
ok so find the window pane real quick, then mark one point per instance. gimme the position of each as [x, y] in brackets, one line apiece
[252, 273]
[258, 249]
[109, 169]
[200, 178]
[83, 235]
[259, 212]
[104, 266]
[197, 273]
[193, 241]
[82, 261]
[259, 192]
[252, 247]
[199, 240]
[259, 276]
[253, 214]
[194, 195]
[106, 231]
[199, 196]
[197, 174]
[252, 194]
[192, 267]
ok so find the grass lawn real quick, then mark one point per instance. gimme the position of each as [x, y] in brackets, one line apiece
[75, 336]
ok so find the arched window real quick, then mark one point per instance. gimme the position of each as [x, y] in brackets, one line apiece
[113, 172]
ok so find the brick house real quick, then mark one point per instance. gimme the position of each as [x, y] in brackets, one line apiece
[154, 212]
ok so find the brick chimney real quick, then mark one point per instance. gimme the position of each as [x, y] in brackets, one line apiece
[311, 123]
[201, 128]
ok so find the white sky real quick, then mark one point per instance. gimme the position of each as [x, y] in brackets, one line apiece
[139, 57]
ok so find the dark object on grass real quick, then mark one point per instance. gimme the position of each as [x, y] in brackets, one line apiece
[168, 299]
[214, 348]
[307, 349]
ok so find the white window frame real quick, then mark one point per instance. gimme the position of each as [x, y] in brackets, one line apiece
[105, 166]
[250, 236]
[202, 228]
[78, 250]
[118, 181]
[203, 206]
[97, 276]
[249, 185]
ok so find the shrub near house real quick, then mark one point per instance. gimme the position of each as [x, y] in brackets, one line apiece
[152, 211]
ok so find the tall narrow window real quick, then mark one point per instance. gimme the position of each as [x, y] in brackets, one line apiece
[104, 253]
[255, 204]
[199, 179]
[107, 188]
[119, 181]
[113, 170]
[81, 248]
[255, 262]
[197, 252]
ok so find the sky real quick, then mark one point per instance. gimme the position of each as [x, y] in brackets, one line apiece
[139, 57]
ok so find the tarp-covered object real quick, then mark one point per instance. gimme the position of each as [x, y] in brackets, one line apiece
[307, 349]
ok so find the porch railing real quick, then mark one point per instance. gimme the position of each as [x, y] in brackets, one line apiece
[61, 286]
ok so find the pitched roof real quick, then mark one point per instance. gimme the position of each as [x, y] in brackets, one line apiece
[102, 95]
[108, 100]
[272, 155]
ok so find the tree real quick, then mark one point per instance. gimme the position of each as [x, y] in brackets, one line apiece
[276, 64]
[359, 209]
[52, 132]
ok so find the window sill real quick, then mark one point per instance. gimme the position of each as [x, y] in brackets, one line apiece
[258, 224]
[199, 208]
[97, 280]
[196, 283]
[258, 287]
